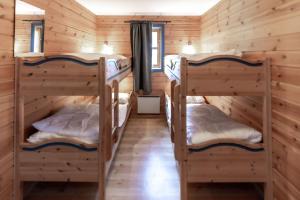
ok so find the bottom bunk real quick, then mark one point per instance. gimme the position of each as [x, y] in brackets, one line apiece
[64, 146]
[219, 149]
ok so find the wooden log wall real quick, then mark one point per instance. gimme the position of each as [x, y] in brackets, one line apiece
[6, 98]
[264, 28]
[177, 33]
[69, 27]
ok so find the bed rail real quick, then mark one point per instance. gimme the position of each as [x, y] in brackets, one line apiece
[221, 75]
[66, 75]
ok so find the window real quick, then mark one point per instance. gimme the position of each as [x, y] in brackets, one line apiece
[157, 47]
[37, 37]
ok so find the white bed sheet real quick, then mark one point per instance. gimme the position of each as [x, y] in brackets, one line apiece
[80, 122]
[168, 110]
[206, 122]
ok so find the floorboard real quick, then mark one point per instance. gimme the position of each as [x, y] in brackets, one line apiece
[144, 169]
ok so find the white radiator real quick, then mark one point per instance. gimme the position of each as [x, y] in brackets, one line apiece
[148, 104]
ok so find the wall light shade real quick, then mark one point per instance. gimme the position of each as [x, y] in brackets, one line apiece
[189, 49]
[107, 49]
[87, 49]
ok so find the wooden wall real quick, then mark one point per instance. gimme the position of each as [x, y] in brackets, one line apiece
[265, 28]
[69, 27]
[6, 98]
[177, 34]
[23, 32]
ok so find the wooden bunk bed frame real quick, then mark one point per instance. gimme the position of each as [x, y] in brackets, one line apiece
[220, 160]
[63, 159]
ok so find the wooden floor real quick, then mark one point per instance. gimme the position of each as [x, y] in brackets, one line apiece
[144, 169]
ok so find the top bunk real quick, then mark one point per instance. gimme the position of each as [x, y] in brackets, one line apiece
[70, 74]
[218, 74]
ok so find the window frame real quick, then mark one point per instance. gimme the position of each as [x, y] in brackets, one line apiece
[160, 48]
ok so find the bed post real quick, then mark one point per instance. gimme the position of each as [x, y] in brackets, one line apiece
[183, 144]
[183, 89]
[19, 131]
[116, 109]
[102, 143]
[173, 84]
[267, 130]
[176, 123]
[108, 122]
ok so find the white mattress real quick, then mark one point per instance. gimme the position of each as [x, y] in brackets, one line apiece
[168, 110]
[206, 122]
[79, 122]
[122, 113]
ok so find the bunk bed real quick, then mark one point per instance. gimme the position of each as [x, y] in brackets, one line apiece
[208, 145]
[52, 148]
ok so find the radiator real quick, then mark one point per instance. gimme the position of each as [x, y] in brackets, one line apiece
[148, 104]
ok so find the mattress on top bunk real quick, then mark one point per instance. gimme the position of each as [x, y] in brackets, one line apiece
[172, 61]
[206, 122]
[168, 110]
[78, 122]
[114, 61]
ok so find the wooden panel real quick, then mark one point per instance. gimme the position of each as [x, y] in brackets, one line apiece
[69, 27]
[225, 77]
[48, 78]
[226, 164]
[6, 98]
[23, 32]
[264, 28]
[177, 33]
[59, 164]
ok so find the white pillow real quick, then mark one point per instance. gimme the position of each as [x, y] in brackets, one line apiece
[195, 100]
[123, 98]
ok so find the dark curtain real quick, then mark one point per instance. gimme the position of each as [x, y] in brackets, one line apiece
[141, 46]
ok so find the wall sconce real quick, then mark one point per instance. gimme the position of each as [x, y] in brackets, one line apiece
[189, 49]
[107, 49]
[86, 49]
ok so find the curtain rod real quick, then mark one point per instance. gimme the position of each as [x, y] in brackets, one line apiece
[136, 21]
[32, 20]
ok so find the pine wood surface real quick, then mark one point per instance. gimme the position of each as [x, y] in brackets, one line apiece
[6, 98]
[264, 29]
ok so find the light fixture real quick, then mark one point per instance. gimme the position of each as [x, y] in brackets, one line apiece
[189, 49]
[107, 49]
[87, 49]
